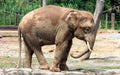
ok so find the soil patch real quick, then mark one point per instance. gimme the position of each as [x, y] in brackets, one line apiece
[106, 54]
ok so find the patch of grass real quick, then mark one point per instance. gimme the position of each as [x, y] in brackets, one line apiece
[93, 67]
[11, 62]
[93, 64]
[35, 61]
[111, 67]
[8, 62]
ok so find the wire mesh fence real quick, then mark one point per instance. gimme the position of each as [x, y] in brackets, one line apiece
[110, 21]
[10, 17]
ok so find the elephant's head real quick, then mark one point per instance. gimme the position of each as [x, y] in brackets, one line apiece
[82, 25]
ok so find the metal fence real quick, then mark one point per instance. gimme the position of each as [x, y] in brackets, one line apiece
[10, 17]
[108, 20]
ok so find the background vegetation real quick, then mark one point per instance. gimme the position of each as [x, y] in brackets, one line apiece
[24, 6]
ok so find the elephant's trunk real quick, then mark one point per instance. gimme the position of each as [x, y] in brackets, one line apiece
[86, 51]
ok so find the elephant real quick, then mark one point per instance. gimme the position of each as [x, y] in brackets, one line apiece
[54, 25]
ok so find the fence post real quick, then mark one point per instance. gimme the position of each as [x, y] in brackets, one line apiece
[0, 16]
[113, 20]
[16, 20]
[10, 17]
[106, 20]
[5, 16]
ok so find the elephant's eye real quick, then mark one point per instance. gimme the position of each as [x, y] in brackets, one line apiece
[83, 20]
[87, 30]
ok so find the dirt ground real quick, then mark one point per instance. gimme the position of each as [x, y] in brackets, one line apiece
[106, 49]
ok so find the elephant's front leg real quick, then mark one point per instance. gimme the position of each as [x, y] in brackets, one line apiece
[61, 54]
[63, 65]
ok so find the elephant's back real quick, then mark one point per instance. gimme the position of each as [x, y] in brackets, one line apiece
[50, 12]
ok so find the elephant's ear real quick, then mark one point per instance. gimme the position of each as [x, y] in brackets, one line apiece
[72, 19]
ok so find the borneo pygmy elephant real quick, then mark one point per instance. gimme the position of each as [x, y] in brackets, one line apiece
[54, 25]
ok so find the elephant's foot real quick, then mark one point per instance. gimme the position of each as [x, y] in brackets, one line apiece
[55, 69]
[45, 67]
[63, 67]
[27, 65]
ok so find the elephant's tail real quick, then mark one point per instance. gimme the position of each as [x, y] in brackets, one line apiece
[20, 47]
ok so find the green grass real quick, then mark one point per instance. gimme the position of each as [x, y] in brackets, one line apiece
[111, 67]
[87, 66]
[8, 62]
[11, 62]
[102, 63]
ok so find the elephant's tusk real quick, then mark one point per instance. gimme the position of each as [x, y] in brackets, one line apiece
[89, 46]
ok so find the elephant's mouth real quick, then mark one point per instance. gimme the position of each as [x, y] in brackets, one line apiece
[80, 37]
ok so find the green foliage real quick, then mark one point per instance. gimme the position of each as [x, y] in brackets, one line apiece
[107, 4]
[24, 6]
[103, 22]
[90, 6]
[76, 4]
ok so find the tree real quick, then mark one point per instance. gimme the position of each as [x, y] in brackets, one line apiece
[97, 17]
[43, 3]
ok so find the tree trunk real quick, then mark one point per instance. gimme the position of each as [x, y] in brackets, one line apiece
[97, 17]
[43, 3]
[98, 13]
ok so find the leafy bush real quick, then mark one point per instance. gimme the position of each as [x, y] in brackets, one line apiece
[24, 6]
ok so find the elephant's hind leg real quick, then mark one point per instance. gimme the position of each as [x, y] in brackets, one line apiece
[28, 56]
[41, 59]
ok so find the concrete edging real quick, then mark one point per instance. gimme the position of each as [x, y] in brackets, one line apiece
[25, 71]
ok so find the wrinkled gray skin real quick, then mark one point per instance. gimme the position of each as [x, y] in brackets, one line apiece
[54, 25]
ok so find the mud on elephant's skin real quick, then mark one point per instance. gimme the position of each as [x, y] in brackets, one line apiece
[54, 25]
